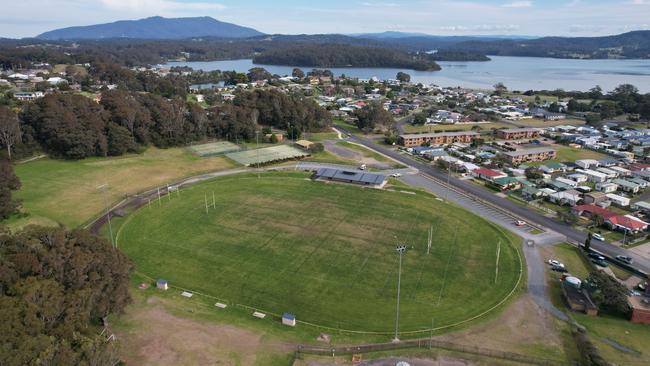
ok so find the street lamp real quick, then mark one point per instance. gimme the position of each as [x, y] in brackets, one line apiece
[400, 249]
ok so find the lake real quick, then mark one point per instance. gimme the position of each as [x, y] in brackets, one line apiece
[517, 73]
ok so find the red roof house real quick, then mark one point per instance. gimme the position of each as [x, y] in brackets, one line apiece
[487, 174]
[626, 223]
[592, 210]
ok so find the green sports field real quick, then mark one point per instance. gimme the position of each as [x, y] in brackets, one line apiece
[325, 252]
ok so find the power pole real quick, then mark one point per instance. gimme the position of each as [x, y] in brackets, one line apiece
[400, 249]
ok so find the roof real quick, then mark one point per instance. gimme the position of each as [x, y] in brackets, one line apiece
[350, 176]
[506, 180]
[554, 165]
[537, 150]
[628, 222]
[304, 143]
[439, 134]
[511, 130]
[625, 183]
[288, 316]
[594, 210]
[488, 172]
[642, 204]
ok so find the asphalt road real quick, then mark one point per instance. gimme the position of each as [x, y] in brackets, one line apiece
[528, 215]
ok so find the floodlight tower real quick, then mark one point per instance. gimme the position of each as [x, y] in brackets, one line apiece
[401, 248]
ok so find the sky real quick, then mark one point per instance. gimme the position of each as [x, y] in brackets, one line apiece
[27, 18]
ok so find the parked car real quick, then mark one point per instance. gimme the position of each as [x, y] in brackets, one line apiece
[624, 259]
[597, 236]
[362, 167]
[596, 256]
[642, 286]
[520, 223]
[396, 175]
[600, 262]
[560, 269]
[555, 263]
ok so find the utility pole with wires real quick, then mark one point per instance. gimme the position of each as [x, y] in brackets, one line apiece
[158, 196]
[104, 188]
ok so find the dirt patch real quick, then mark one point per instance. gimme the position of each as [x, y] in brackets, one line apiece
[523, 325]
[157, 337]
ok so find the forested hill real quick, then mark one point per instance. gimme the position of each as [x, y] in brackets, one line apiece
[627, 45]
[340, 55]
[154, 28]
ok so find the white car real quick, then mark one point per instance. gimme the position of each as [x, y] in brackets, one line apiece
[520, 223]
[396, 175]
[555, 263]
[597, 236]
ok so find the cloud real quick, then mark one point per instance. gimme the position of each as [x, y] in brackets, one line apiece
[518, 4]
[159, 6]
[639, 2]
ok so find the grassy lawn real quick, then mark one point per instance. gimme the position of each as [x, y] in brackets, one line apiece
[59, 191]
[540, 123]
[320, 136]
[325, 252]
[409, 128]
[574, 262]
[531, 98]
[566, 153]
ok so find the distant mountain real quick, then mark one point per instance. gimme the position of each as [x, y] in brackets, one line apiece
[634, 44]
[154, 28]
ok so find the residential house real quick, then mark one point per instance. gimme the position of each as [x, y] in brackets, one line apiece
[507, 183]
[592, 210]
[568, 182]
[594, 176]
[594, 198]
[577, 177]
[587, 163]
[641, 206]
[626, 186]
[626, 223]
[618, 200]
[570, 197]
[488, 174]
[611, 174]
[643, 184]
[606, 187]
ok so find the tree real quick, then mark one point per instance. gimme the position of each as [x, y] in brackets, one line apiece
[597, 221]
[316, 148]
[588, 243]
[568, 218]
[609, 294]
[8, 182]
[403, 77]
[500, 88]
[56, 287]
[596, 92]
[419, 119]
[533, 173]
[9, 129]
[258, 73]
[298, 73]
[374, 116]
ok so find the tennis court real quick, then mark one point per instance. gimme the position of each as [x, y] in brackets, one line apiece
[214, 148]
[267, 155]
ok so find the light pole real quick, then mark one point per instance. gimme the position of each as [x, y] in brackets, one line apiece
[400, 249]
[103, 188]
[257, 139]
